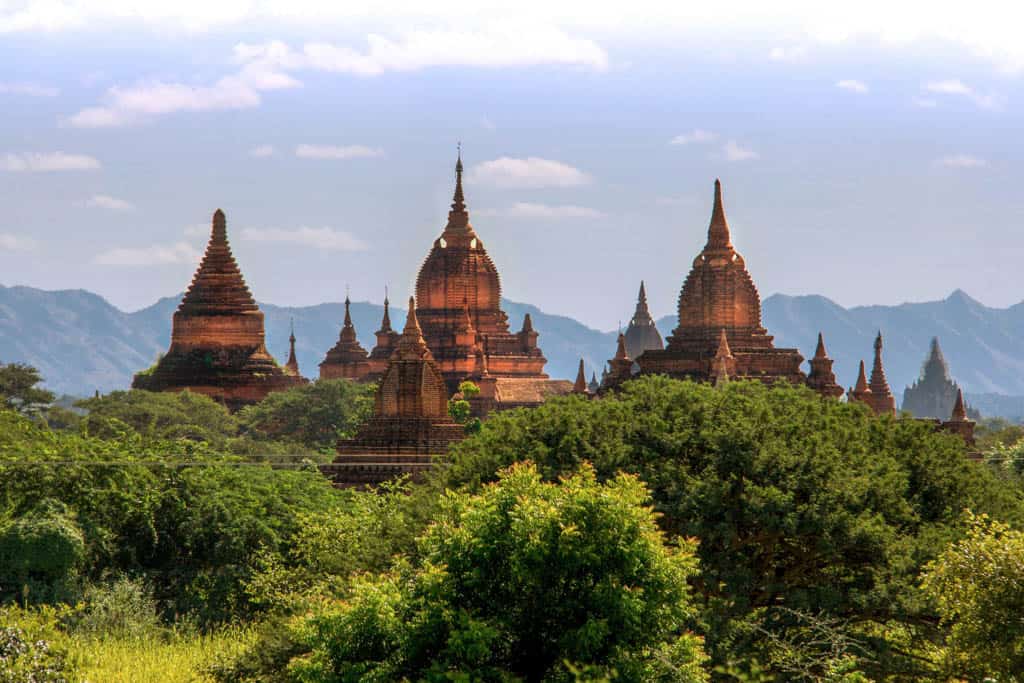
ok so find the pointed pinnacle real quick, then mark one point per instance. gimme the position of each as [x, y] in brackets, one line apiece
[718, 230]
[412, 323]
[819, 352]
[959, 410]
[219, 233]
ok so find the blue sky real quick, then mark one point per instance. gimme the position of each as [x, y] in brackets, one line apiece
[872, 157]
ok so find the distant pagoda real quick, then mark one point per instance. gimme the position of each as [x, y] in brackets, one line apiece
[217, 336]
[347, 359]
[642, 334]
[875, 393]
[821, 378]
[719, 297]
[934, 394]
[410, 423]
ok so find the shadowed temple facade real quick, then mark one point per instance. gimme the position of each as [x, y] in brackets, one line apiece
[217, 336]
[410, 424]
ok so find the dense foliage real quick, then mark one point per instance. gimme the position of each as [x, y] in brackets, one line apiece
[797, 502]
[19, 388]
[792, 538]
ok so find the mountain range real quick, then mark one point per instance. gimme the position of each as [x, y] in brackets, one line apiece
[82, 343]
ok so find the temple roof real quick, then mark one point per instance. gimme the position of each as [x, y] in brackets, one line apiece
[642, 333]
[718, 229]
[959, 410]
[935, 366]
[218, 287]
[862, 381]
[879, 384]
[819, 350]
[292, 366]
[580, 386]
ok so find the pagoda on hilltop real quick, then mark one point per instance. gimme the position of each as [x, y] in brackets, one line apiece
[217, 336]
[410, 423]
[934, 394]
[459, 296]
[719, 298]
[347, 359]
[642, 334]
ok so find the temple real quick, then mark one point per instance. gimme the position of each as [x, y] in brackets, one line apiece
[217, 336]
[821, 378]
[934, 394]
[347, 359]
[642, 334]
[719, 297]
[410, 424]
[580, 385]
[875, 393]
[292, 366]
[620, 367]
[459, 295]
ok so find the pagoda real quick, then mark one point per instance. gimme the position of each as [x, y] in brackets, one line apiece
[934, 394]
[580, 385]
[881, 401]
[217, 336]
[821, 378]
[387, 342]
[292, 366]
[410, 424]
[719, 295]
[347, 359]
[620, 367]
[642, 334]
[860, 392]
[459, 294]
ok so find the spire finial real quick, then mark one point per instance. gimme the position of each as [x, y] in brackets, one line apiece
[718, 230]
[620, 349]
[412, 323]
[643, 293]
[959, 410]
[291, 337]
[385, 323]
[219, 233]
[458, 200]
[292, 366]
[862, 380]
[348, 317]
[819, 352]
[580, 386]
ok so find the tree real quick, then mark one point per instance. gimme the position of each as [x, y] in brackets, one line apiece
[314, 415]
[978, 585]
[811, 504]
[521, 582]
[18, 390]
[161, 415]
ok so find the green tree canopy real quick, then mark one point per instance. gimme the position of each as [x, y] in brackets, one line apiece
[519, 582]
[314, 415]
[19, 390]
[810, 504]
[161, 415]
[978, 585]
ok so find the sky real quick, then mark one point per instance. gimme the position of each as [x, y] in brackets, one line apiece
[871, 153]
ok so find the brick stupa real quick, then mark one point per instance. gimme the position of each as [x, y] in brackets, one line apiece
[347, 359]
[821, 378]
[459, 296]
[217, 337]
[410, 423]
[718, 295]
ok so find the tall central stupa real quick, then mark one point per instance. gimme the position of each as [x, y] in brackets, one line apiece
[458, 294]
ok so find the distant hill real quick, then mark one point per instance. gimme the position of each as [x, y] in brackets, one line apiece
[80, 342]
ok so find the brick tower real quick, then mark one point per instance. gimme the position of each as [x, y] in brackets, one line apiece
[459, 294]
[410, 423]
[717, 295]
[881, 400]
[217, 336]
[347, 359]
[821, 378]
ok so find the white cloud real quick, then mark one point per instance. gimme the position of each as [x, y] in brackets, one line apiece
[47, 161]
[103, 201]
[852, 85]
[261, 151]
[791, 53]
[9, 242]
[320, 238]
[531, 210]
[531, 172]
[333, 152]
[156, 98]
[958, 88]
[734, 151]
[494, 46]
[695, 136]
[154, 255]
[961, 161]
[30, 89]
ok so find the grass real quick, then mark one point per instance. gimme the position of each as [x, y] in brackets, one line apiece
[173, 659]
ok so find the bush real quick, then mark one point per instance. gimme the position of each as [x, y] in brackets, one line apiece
[41, 551]
[518, 582]
[122, 608]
